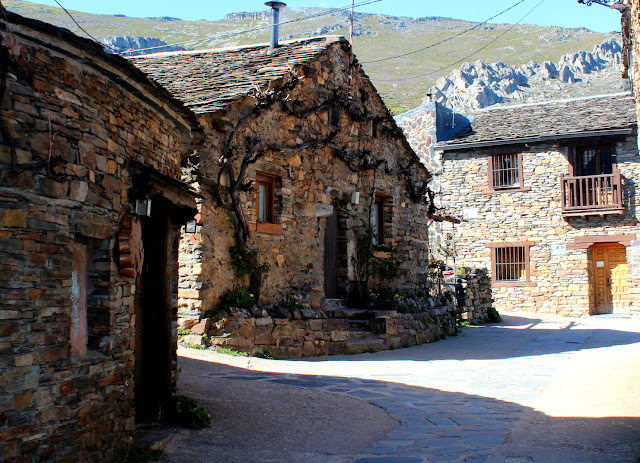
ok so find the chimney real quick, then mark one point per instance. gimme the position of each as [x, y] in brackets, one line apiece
[275, 19]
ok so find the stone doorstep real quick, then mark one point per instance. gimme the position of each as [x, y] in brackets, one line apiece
[154, 436]
[345, 313]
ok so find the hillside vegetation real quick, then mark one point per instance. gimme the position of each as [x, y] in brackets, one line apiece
[377, 36]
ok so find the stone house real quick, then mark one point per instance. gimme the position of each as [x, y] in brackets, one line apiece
[87, 344]
[549, 202]
[301, 156]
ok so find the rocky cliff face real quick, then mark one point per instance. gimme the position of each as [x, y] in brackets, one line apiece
[478, 85]
[117, 44]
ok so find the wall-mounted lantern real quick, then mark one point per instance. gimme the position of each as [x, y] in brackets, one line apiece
[143, 207]
[355, 198]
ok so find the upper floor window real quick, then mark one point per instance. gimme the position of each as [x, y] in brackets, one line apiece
[505, 171]
[264, 200]
[266, 204]
[593, 160]
[378, 219]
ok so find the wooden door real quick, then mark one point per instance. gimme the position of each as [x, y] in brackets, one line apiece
[610, 278]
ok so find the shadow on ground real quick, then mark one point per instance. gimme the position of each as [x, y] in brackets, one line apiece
[278, 417]
[516, 336]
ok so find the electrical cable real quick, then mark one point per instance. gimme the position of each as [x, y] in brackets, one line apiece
[82, 29]
[468, 56]
[231, 34]
[445, 40]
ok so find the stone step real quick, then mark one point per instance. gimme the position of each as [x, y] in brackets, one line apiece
[334, 304]
[358, 346]
[344, 312]
[359, 325]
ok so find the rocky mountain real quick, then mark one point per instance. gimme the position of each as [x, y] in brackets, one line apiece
[381, 43]
[132, 46]
[478, 85]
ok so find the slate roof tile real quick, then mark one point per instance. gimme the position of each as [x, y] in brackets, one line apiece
[209, 80]
[547, 119]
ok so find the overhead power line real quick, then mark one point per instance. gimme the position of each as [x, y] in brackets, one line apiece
[447, 39]
[231, 34]
[81, 28]
[470, 55]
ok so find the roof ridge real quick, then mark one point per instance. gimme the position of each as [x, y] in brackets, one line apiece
[565, 100]
[329, 39]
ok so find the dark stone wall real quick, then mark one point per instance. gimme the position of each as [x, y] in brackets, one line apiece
[72, 123]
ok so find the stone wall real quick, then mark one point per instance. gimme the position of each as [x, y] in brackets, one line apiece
[560, 283]
[332, 334]
[72, 121]
[329, 138]
[478, 296]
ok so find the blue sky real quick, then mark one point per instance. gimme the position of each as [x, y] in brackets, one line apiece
[566, 13]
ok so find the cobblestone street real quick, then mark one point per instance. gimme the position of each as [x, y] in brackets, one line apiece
[533, 389]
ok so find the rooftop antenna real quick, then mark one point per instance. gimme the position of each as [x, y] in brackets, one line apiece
[275, 20]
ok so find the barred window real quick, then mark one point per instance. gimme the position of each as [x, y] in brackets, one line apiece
[510, 262]
[506, 171]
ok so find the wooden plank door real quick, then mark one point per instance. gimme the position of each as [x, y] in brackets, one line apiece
[610, 278]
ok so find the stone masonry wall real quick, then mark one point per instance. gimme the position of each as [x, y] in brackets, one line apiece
[293, 338]
[478, 296]
[314, 140]
[70, 127]
[560, 283]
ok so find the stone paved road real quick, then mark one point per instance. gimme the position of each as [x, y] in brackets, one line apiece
[533, 389]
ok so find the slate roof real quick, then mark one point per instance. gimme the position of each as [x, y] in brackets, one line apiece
[93, 50]
[547, 120]
[208, 80]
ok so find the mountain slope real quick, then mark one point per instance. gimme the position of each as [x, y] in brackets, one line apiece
[377, 36]
[480, 84]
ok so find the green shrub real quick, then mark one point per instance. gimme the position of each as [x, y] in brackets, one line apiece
[493, 316]
[266, 354]
[428, 320]
[190, 414]
[245, 262]
[141, 454]
[238, 298]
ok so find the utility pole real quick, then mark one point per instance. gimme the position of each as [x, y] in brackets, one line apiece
[351, 24]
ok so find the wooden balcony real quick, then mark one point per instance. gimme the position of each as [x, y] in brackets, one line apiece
[592, 195]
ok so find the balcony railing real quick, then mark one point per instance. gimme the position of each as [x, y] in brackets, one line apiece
[593, 194]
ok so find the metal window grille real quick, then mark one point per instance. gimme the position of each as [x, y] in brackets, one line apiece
[511, 264]
[506, 171]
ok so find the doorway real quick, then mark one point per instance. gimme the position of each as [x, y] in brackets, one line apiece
[153, 320]
[335, 254]
[609, 283]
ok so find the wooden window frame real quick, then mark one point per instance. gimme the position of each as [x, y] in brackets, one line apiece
[378, 204]
[575, 150]
[267, 226]
[508, 189]
[526, 245]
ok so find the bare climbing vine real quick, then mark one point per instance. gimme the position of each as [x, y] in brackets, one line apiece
[248, 150]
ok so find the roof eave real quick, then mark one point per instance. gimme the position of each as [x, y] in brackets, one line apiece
[539, 138]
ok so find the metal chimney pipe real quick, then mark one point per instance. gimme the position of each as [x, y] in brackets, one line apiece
[275, 19]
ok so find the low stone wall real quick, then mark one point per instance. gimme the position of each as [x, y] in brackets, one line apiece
[478, 297]
[307, 337]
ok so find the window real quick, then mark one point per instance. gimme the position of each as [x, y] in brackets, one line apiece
[505, 171]
[264, 201]
[377, 219]
[265, 205]
[590, 160]
[79, 278]
[510, 263]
